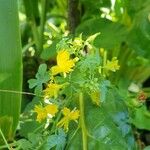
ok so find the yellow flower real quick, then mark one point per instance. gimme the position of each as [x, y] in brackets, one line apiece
[112, 65]
[68, 116]
[51, 109]
[52, 90]
[42, 112]
[64, 63]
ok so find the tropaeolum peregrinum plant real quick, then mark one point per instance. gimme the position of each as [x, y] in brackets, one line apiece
[78, 103]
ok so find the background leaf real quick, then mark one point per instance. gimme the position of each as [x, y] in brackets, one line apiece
[141, 118]
[56, 140]
[105, 125]
[10, 64]
[117, 32]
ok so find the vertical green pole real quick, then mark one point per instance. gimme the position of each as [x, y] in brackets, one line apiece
[82, 122]
[10, 67]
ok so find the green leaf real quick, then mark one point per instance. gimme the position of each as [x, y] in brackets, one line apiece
[24, 144]
[32, 83]
[104, 85]
[49, 52]
[121, 119]
[105, 125]
[10, 65]
[3, 77]
[141, 48]
[28, 127]
[42, 76]
[31, 9]
[42, 70]
[93, 9]
[35, 138]
[90, 63]
[141, 118]
[117, 32]
[77, 77]
[63, 44]
[58, 140]
[92, 37]
[30, 106]
[6, 123]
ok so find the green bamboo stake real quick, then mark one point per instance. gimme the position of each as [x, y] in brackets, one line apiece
[82, 121]
[10, 67]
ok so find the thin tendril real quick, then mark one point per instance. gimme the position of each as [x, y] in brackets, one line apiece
[19, 92]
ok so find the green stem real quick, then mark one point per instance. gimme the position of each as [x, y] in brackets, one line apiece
[123, 59]
[69, 141]
[104, 62]
[5, 141]
[26, 47]
[5, 146]
[35, 34]
[31, 8]
[38, 128]
[34, 28]
[43, 15]
[82, 121]
[116, 52]
[54, 126]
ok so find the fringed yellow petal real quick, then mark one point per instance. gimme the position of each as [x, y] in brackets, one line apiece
[52, 90]
[51, 109]
[64, 63]
[55, 70]
[41, 113]
[68, 116]
[63, 56]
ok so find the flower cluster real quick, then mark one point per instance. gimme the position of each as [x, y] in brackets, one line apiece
[66, 63]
